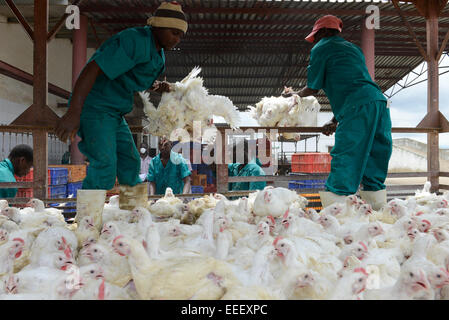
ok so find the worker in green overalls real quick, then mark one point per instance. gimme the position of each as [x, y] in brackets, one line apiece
[19, 163]
[245, 168]
[361, 121]
[128, 62]
[168, 169]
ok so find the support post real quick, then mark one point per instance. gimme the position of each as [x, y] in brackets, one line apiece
[79, 58]
[222, 168]
[433, 155]
[40, 155]
[368, 48]
[40, 96]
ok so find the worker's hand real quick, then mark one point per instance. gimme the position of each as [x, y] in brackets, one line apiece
[68, 126]
[161, 86]
[329, 128]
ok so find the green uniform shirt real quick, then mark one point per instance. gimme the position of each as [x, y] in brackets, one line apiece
[130, 62]
[170, 176]
[250, 170]
[7, 175]
[338, 67]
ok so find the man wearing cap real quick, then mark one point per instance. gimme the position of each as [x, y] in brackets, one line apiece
[128, 62]
[363, 143]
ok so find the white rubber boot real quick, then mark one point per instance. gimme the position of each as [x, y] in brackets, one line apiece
[377, 199]
[131, 197]
[90, 203]
[328, 198]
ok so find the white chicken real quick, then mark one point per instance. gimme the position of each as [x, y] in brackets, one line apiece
[183, 278]
[290, 111]
[187, 101]
[276, 201]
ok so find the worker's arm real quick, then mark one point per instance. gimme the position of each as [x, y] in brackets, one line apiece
[187, 185]
[152, 188]
[68, 126]
[306, 91]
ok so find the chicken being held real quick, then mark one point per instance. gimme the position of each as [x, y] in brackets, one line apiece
[187, 101]
[292, 111]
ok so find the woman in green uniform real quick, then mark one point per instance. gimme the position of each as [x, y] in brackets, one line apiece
[363, 143]
[128, 62]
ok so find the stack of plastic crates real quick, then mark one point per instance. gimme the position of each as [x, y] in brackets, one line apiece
[313, 198]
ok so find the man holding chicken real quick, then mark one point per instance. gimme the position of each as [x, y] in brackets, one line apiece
[128, 62]
[363, 143]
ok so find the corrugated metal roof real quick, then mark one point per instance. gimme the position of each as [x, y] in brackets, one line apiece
[249, 49]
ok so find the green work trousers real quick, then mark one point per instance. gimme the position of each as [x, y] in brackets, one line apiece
[108, 144]
[362, 149]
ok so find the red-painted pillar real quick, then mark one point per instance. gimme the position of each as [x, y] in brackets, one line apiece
[368, 48]
[79, 59]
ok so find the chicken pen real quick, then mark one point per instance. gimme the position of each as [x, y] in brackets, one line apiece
[244, 73]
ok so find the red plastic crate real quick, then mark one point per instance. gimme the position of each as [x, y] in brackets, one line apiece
[30, 176]
[24, 193]
[311, 162]
[28, 193]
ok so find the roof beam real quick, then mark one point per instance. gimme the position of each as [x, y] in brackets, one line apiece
[142, 21]
[20, 18]
[267, 11]
[243, 77]
[25, 77]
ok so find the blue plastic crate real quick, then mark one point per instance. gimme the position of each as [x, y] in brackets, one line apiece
[306, 184]
[73, 187]
[57, 191]
[203, 169]
[197, 189]
[58, 176]
[210, 179]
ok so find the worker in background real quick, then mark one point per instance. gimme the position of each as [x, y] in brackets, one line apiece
[145, 160]
[361, 121]
[128, 62]
[19, 163]
[168, 169]
[66, 156]
[247, 168]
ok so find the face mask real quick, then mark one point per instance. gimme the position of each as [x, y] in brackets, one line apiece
[143, 150]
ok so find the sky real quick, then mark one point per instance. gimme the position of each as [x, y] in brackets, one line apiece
[409, 106]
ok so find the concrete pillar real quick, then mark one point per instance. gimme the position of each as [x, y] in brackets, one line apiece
[79, 59]
[368, 45]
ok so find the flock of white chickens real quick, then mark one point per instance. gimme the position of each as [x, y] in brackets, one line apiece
[264, 246]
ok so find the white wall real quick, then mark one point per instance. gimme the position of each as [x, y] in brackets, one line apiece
[405, 161]
[16, 96]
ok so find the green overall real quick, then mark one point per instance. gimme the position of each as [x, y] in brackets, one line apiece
[7, 175]
[130, 63]
[363, 143]
[250, 170]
